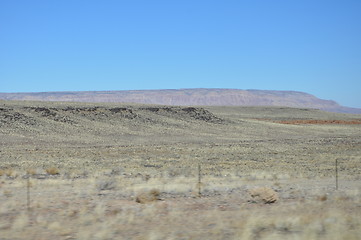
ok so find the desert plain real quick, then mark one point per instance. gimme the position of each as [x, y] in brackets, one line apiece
[134, 171]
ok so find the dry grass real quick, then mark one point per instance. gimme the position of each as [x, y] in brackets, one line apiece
[52, 171]
[10, 173]
[108, 158]
[31, 171]
[106, 184]
[147, 196]
[73, 208]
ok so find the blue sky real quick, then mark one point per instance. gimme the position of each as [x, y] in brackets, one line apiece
[74, 45]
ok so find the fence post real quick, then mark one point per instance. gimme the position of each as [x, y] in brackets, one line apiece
[28, 193]
[336, 169]
[199, 180]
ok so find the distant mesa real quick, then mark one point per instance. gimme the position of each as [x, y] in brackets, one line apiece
[192, 97]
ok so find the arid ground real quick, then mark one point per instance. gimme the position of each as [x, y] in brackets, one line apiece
[128, 171]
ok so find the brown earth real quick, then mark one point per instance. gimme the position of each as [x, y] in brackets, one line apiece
[313, 121]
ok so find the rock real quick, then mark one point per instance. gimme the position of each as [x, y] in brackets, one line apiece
[263, 195]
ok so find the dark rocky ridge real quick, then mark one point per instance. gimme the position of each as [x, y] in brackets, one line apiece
[192, 97]
[33, 115]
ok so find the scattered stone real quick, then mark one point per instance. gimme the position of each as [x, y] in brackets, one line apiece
[263, 195]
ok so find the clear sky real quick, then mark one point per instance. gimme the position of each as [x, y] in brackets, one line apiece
[77, 45]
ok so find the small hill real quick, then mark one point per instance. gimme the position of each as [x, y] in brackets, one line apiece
[192, 97]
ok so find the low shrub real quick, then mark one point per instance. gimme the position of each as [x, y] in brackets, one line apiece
[148, 196]
[106, 184]
[52, 171]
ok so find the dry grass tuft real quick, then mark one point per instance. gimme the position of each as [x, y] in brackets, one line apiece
[52, 171]
[322, 198]
[263, 195]
[7, 193]
[31, 171]
[149, 196]
[8, 172]
[106, 184]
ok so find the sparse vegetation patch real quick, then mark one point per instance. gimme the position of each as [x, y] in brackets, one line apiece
[52, 171]
[115, 171]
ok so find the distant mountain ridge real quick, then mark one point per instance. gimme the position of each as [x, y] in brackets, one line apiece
[188, 97]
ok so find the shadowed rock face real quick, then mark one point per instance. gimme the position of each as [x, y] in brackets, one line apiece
[189, 97]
